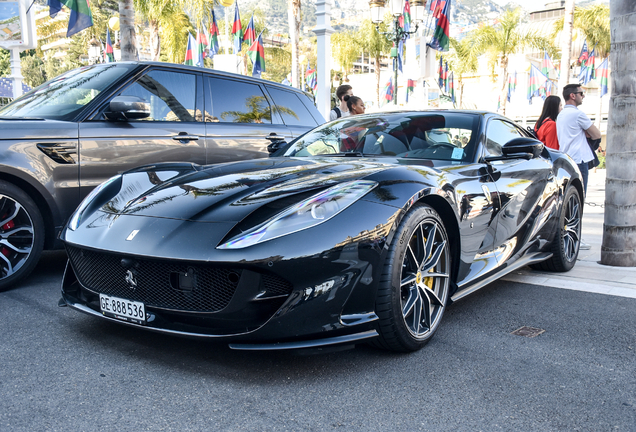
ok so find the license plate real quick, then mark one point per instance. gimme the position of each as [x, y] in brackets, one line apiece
[122, 309]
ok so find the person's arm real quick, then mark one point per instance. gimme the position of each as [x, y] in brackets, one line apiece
[593, 132]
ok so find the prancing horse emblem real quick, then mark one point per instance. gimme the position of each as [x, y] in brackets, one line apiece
[130, 280]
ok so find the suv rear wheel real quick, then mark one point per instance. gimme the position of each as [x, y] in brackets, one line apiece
[21, 235]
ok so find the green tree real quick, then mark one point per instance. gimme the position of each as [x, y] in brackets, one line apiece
[594, 23]
[377, 45]
[463, 61]
[504, 39]
[345, 49]
[33, 71]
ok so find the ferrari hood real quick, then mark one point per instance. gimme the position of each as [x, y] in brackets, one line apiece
[229, 192]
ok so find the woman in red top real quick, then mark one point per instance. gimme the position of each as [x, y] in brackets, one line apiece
[545, 128]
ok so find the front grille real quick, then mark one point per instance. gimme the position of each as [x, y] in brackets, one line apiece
[210, 290]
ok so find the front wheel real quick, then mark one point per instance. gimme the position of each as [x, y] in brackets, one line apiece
[21, 235]
[415, 284]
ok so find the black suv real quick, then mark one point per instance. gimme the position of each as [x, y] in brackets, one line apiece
[62, 139]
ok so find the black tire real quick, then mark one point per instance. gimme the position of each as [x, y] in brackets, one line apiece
[565, 246]
[21, 235]
[414, 287]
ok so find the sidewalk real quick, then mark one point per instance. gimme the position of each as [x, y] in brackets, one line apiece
[587, 275]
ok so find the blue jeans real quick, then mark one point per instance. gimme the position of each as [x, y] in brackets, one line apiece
[584, 173]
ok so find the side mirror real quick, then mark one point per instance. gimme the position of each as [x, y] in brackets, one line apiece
[128, 108]
[526, 145]
[274, 146]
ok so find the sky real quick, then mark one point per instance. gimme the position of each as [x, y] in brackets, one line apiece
[8, 10]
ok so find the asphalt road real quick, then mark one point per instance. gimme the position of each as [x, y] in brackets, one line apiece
[63, 370]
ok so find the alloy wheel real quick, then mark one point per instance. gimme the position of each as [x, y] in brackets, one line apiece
[425, 279]
[572, 229]
[16, 236]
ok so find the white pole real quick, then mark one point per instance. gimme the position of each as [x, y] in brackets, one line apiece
[16, 72]
[323, 67]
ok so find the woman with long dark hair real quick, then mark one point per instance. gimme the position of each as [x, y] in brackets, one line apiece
[545, 128]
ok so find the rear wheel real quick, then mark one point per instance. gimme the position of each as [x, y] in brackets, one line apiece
[21, 235]
[415, 285]
[565, 246]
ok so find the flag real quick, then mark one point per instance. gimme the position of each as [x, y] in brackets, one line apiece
[189, 56]
[256, 53]
[546, 64]
[440, 39]
[406, 17]
[388, 91]
[214, 37]
[535, 82]
[410, 87]
[432, 5]
[237, 29]
[400, 54]
[205, 44]
[446, 77]
[81, 16]
[198, 49]
[589, 63]
[250, 32]
[451, 85]
[311, 78]
[438, 8]
[441, 72]
[602, 73]
[514, 82]
[509, 95]
[498, 103]
[109, 54]
[584, 54]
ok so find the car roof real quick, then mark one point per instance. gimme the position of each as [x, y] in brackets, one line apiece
[144, 64]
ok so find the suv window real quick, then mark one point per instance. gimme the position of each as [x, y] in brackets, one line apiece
[498, 134]
[171, 95]
[237, 102]
[290, 108]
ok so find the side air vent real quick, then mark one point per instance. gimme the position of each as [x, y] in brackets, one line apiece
[60, 153]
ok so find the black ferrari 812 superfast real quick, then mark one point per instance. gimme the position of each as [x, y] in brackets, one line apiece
[363, 229]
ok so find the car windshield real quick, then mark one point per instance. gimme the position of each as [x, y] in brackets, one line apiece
[62, 97]
[425, 135]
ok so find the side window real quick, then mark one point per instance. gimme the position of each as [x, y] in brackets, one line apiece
[290, 108]
[498, 134]
[237, 102]
[171, 95]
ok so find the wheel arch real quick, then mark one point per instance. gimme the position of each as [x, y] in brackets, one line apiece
[48, 215]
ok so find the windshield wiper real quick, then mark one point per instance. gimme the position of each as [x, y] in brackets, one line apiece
[348, 154]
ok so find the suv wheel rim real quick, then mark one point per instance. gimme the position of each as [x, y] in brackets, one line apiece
[16, 235]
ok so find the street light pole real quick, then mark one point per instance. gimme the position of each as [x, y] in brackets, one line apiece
[397, 34]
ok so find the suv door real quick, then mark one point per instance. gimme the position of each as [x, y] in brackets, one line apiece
[108, 147]
[239, 119]
[294, 113]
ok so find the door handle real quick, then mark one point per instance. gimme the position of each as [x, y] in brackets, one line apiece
[274, 137]
[183, 137]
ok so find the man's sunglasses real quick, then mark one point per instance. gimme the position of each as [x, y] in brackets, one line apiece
[581, 93]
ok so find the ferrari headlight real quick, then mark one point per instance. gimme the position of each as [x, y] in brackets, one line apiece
[310, 212]
[77, 216]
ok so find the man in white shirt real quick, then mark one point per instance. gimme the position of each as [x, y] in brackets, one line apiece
[573, 126]
[342, 93]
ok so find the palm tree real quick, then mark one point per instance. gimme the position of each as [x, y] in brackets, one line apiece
[463, 60]
[127, 36]
[594, 23]
[619, 236]
[345, 49]
[294, 35]
[504, 40]
[376, 45]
